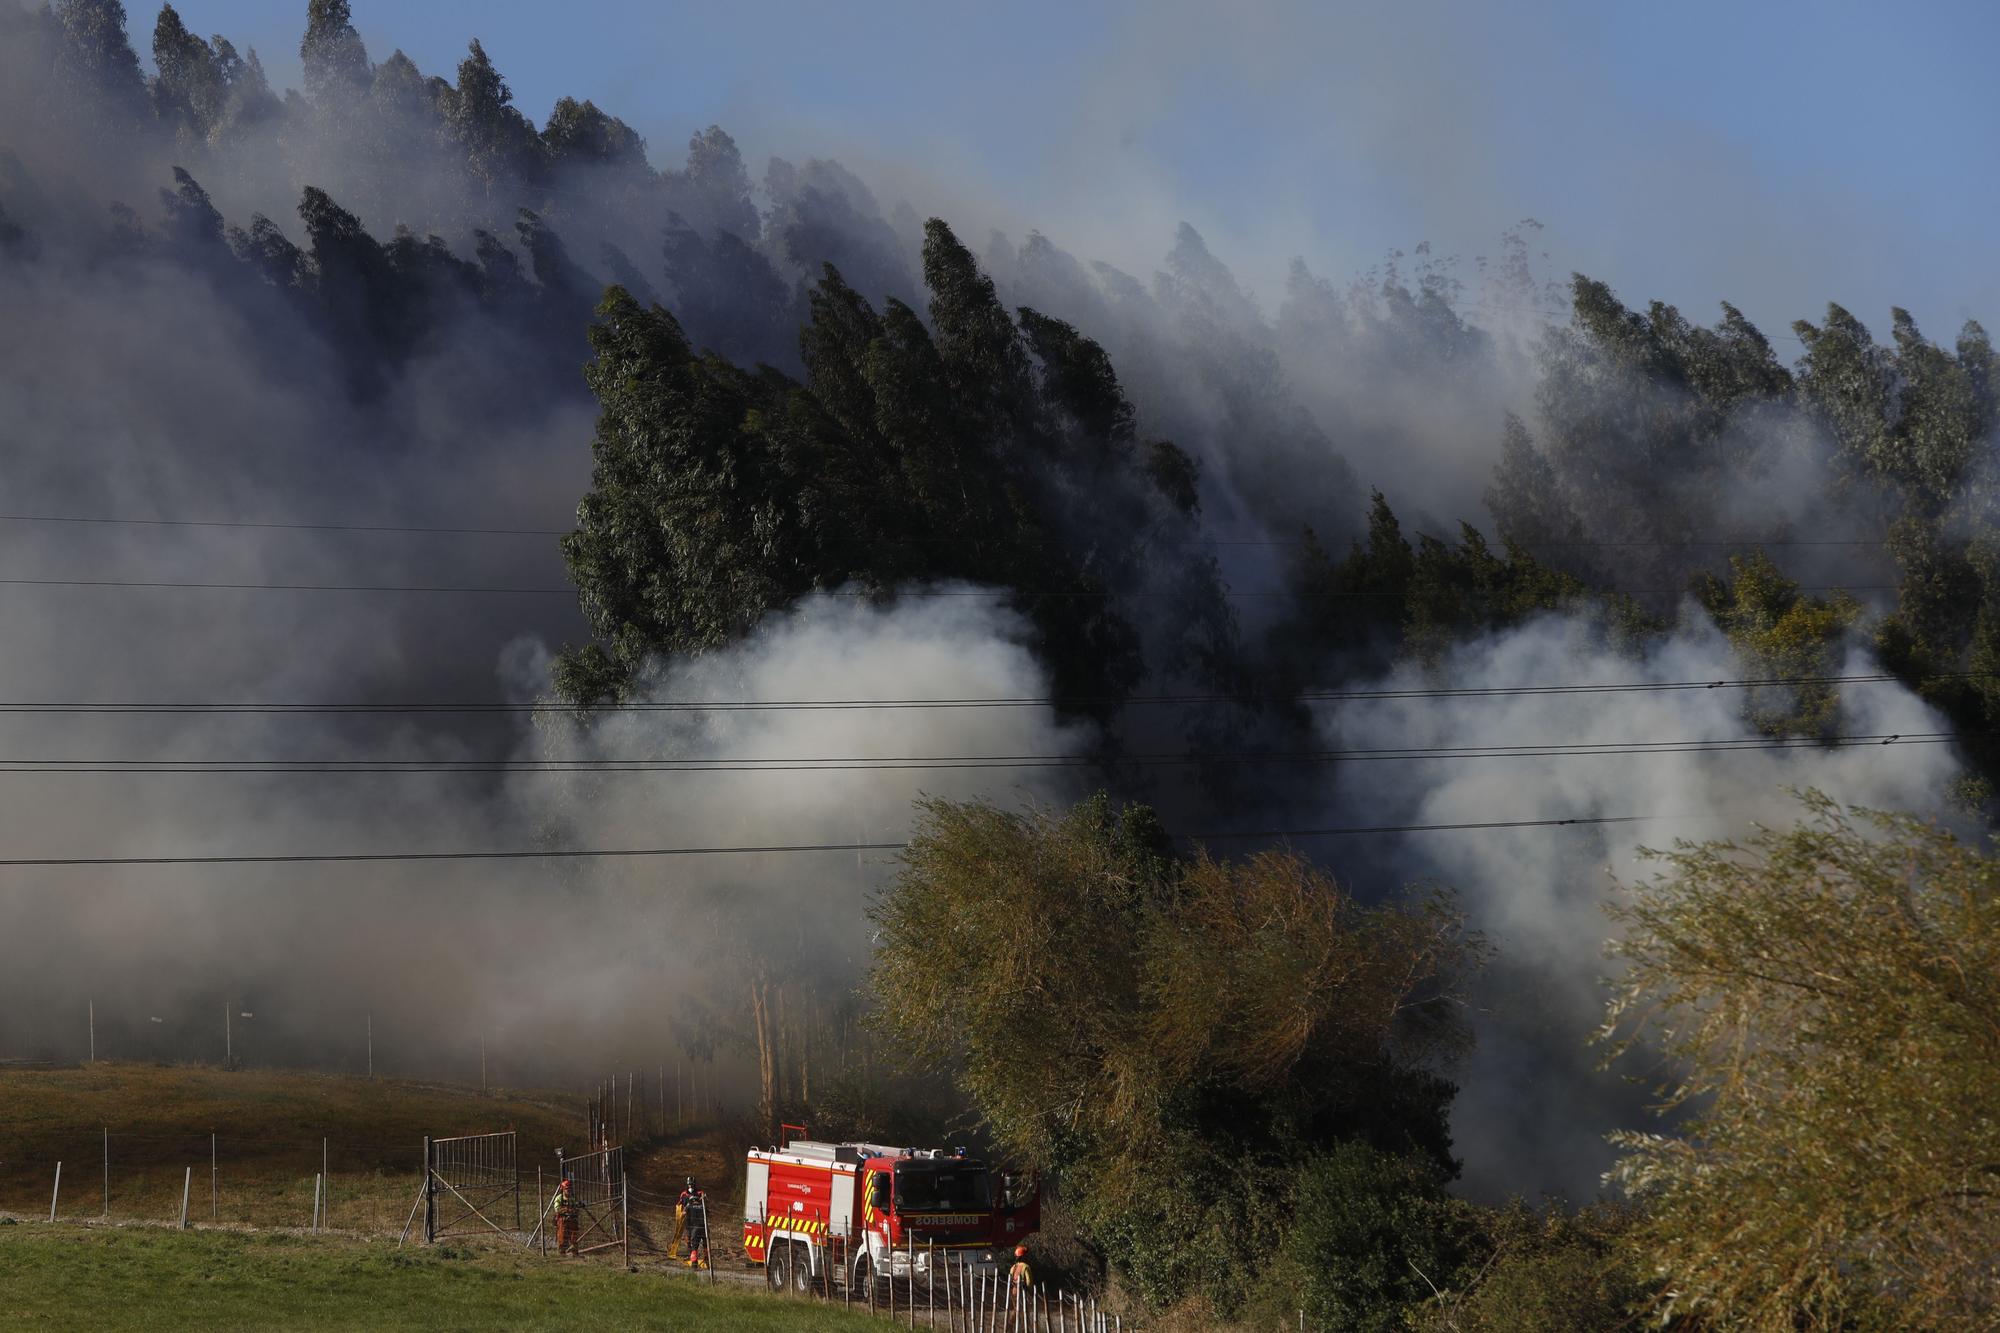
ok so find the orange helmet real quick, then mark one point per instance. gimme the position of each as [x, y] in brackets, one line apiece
[1020, 1251]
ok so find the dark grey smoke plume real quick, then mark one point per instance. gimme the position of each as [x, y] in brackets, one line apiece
[366, 303]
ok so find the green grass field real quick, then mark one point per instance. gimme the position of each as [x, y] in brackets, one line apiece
[96, 1277]
[246, 1264]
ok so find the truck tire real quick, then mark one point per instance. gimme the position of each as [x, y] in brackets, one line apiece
[862, 1276]
[777, 1264]
[801, 1267]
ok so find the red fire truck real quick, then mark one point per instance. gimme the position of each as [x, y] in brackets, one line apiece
[854, 1212]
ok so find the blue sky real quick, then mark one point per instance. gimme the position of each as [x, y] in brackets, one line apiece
[1778, 155]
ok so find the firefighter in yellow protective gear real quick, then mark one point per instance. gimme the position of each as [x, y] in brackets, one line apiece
[1019, 1279]
[563, 1205]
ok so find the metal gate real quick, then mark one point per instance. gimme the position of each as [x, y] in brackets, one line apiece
[472, 1186]
[597, 1181]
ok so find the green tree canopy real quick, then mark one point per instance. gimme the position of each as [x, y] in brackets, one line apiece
[981, 446]
[1389, 599]
[501, 147]
[190, 87]
[100, 78]
[336, 63]
[1830, 995]
[1168, 1035]
[1645, 416]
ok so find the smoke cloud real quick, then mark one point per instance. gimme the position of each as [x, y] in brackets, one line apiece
[1534, 1104]
[189, 347]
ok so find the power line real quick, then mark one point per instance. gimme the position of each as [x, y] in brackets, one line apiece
[261, 525]
[1563, 750]
[284, 527]
[594, 853]
[284, 587]
[553, 853]
[1438, 828]
[1003, 701]
[887, 594]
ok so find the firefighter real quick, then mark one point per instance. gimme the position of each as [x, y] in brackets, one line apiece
[564, 1207]
[693, 1211]
[1019, 1279]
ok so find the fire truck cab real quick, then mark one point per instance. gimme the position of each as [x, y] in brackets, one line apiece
[869, 1210]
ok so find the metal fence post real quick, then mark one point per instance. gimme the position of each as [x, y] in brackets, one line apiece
[429, 1195]
[187, 1182]
[56, 1194]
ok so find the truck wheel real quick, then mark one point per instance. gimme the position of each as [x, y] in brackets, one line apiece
[802, 1277]
[775, 1264]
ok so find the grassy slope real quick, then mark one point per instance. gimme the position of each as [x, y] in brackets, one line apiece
[128, 1277]
[268, 1126]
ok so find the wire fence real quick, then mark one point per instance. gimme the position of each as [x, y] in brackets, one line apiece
[923, 1285]
[472, 1186]
[222, 1179]
[479, 1183]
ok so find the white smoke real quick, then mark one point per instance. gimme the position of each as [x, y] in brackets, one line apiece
[1534, 1108]
[441, 952]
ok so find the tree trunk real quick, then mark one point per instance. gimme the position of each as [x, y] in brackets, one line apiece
[767, 1065]
[806, 1051]
[784, 1054]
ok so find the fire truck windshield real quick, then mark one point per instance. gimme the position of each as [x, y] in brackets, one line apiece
[942, 1187]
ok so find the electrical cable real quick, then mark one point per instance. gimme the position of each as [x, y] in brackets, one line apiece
[887, 594]
[594, 853]
[1566, 750]
[283, 527]
[260, 525]
[998, 701]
